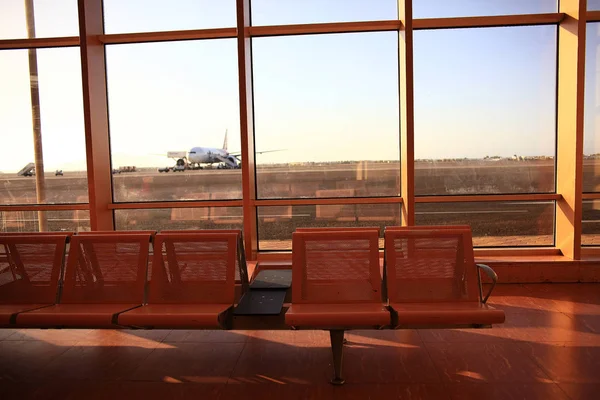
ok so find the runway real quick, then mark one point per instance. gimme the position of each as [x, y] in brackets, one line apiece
[363, 179]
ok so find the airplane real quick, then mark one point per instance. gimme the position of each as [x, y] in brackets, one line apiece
[196, 157]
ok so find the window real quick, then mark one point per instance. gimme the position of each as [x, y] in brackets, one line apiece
[57, 221]
[328, 105]
[179, 218]
[470, 8]
[179, 97]
[485, 110]
[591, 223]
[127, 16]
[495, 224]
[282, 12]
[51, 18]
[276, 224]
[591, 144]
[57, 85]
[593, 5]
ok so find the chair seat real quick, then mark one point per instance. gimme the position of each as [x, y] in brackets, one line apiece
[73, 315]
[175, 316]
[454, 313]
[8, 310]
[337, 315]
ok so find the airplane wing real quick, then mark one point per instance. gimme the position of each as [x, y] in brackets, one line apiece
[239, 153]
[171, 154]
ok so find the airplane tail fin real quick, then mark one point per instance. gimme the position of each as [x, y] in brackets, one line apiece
[225, 141]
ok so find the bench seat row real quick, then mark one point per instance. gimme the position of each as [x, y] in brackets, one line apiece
[126, 279]
[187, 280]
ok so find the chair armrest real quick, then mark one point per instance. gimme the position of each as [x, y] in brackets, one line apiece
[492, 275]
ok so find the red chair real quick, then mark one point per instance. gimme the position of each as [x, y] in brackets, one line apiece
[192, 282]
[30, 269]
[432, 279]
[242, 276]
[336, 285]
[105, 275]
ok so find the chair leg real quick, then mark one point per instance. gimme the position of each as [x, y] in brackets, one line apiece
[337, 347]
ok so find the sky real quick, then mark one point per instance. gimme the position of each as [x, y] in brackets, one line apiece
[478, 92]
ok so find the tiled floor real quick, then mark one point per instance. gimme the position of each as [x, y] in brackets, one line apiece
[549, 348]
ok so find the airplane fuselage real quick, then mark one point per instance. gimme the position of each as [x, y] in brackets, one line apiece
[206, 155]
[210, 155]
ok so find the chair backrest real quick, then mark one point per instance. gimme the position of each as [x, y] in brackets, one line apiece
[143, 232]
[431, 264]
[50, 233]
[336, 267]
[340, 229]
[241, 268]
[193, 267]
[237, 231]
[31, 266]
[427, 227]
[106, 268]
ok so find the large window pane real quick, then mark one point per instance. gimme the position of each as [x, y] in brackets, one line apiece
[469, 8]
[495, 224]
[57, 85]
[179, 218]
[485, 110]
[281, 12]
[51, 18]
[276, 224]
[591, 223]
[593, 5]
[591, 143]
[57, 221]
[329, 103]
[174, 96]
[127, 16]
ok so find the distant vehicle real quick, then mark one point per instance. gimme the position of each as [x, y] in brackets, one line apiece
[127, 169]
[165, 169]
[28, 170]
[58, 172]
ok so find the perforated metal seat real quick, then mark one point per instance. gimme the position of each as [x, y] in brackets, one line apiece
[336, 284]
[30, 269]
[192, 281]
[333, 272]
[337, 315]
[105, 275]
[432, 278]
[243, 268]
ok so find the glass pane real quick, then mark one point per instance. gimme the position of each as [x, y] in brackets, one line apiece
[57, 87]
[282, 12]
[591, 142]
[179, 218]
[485, 110]
[593, 5]
[591, 223]
[329, 105]
[495, 224]
[276, 224]
[173, 107]
[129, 16]
[50, 18]
[470, 8]
[57, 221]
